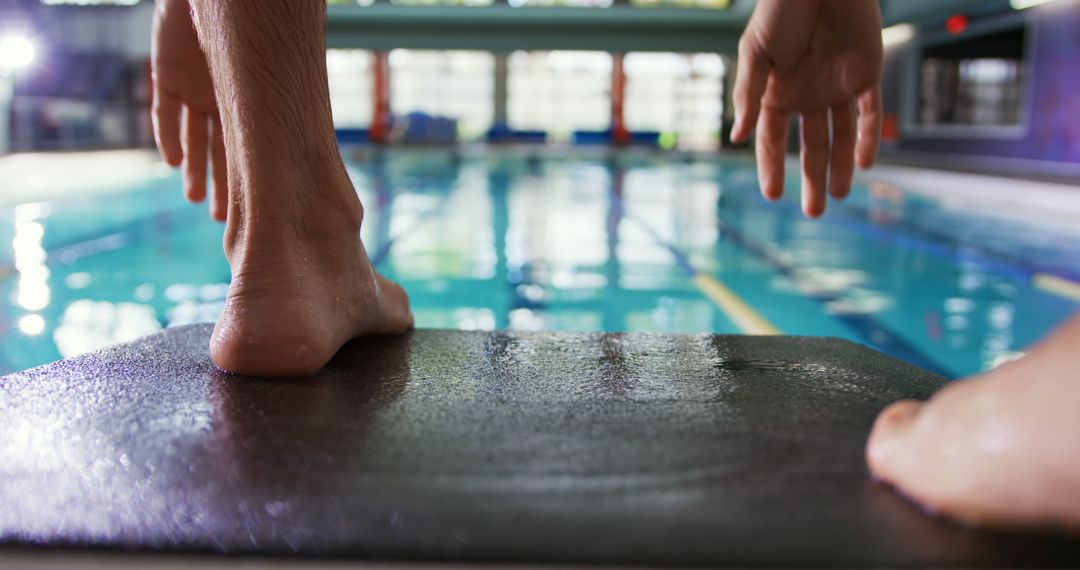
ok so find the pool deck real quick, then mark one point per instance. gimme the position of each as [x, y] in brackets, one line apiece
[1031, 200]
[474, 447]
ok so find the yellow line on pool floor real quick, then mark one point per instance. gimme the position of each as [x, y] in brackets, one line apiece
[1057, 285]
[739, 311]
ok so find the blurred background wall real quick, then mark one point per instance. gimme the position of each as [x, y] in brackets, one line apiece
[88, 86]
[1002, 86]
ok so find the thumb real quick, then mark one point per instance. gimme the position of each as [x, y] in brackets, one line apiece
[888, 436]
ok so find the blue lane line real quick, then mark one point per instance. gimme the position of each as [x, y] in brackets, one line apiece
[736, 310]
[943, 245]
[854, 217]
[730, 304]
[680, 258]
[872, 331]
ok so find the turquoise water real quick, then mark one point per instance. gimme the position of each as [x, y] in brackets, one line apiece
[515, 241]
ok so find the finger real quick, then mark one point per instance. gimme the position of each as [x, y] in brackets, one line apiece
[870, 118]
[815, 161]
[751, 78]
[195, 154]
[219, 203]
[842, 152]
[771, 148]
[166, 119]
[887, 437]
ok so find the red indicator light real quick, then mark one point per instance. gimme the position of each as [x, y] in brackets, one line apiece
[956, 24]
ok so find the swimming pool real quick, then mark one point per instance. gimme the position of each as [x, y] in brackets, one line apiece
[517, 239]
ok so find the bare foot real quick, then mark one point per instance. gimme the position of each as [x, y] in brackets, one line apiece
[302, 283]
[301, 289]
[999, 450]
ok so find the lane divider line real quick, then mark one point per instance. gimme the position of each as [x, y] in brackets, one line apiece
[739, 311]
[873, 332]
[1057, 285]
[729, 303]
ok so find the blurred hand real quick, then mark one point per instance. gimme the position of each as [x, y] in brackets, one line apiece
[187, 126]
[822, 60]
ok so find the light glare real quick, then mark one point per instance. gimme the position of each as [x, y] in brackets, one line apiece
[16, 52]
[1025, 4]
[898, 34]
[32, 325]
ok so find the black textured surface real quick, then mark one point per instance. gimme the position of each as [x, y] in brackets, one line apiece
[574, 448]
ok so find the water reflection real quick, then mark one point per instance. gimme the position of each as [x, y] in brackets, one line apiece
[32, 325]
[30, 257]
[190, 303]
[606, 244]
[88, 325]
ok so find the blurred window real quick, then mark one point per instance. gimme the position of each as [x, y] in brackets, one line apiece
[977, 81]
[351, 87]
[678, 95]
[706, 4]
[90, 2]
[458, 85]
[572, 3]
[559, 92]
[415, 2]
[710, 4]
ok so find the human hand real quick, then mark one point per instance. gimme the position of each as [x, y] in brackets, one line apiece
[187, 126]
[822, 60]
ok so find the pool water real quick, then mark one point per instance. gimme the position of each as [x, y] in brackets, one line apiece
[523, 241]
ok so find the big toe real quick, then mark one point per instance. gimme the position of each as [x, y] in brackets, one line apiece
[395, 301]
[887, 439]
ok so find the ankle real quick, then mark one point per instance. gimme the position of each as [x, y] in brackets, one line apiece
[291, 207]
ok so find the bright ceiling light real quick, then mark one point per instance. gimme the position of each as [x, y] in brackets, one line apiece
[898, 34]
[1025, 4]
[16, 52]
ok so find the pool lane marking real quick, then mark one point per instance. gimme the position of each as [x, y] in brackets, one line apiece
[729, 303]
[867, 326]
[1066, 286]
[737, 310]
[1057, 285]
[989, 259]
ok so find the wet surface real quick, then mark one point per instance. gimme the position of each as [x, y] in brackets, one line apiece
[473, 446]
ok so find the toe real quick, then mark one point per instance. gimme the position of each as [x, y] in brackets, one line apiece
[397, 316]
[888, 436]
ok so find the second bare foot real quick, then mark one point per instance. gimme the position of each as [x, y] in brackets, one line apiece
[1000, 450]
